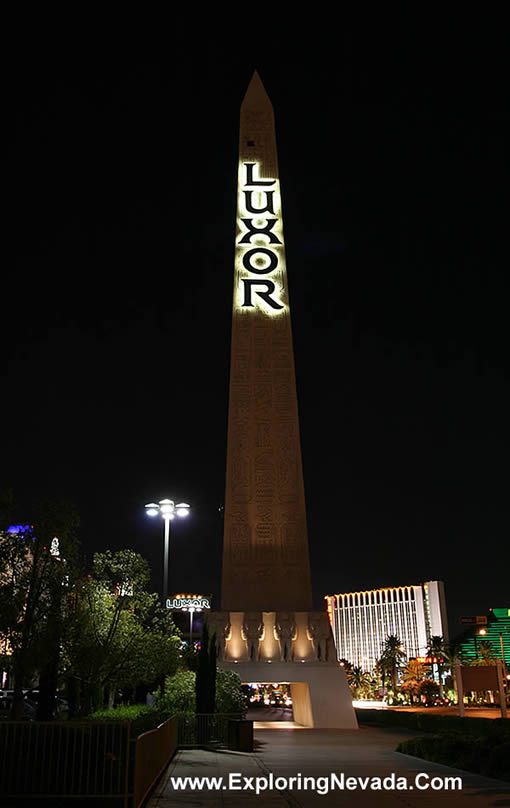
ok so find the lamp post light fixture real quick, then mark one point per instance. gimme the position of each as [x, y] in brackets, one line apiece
[168, 510]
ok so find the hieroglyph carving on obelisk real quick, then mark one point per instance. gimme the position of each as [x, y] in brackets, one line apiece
[265, 554]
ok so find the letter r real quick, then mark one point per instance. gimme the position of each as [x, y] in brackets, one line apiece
[249, 283]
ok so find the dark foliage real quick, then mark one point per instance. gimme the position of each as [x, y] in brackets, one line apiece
[487, 754]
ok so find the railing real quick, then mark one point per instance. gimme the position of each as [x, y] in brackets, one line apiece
[100, 760]
[65, 759]
[153, 751]
[204, 728]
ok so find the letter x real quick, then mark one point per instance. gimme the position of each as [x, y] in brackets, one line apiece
[260, 231]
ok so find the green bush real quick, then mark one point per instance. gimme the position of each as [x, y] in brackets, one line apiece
[387, 718]
[432, 722]
[482, 754]
[143, 717]
[123, 712]
[429, 722]
[229, 694]
[500, 760]
[179, 695]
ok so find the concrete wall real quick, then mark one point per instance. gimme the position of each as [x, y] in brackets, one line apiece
[301, 703]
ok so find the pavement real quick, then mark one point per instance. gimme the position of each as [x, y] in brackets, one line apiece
[271, 714]
[469, 712]
[367, 754]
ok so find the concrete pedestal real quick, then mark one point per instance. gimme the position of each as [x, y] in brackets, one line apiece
[320, 694]
[294, 648]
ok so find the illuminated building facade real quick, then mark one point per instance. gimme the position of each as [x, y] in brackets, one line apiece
[492, 631]
[361, 621]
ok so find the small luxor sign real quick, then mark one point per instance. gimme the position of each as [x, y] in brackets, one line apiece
[193, 602]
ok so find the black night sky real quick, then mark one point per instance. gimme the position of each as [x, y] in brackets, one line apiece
[117, 291]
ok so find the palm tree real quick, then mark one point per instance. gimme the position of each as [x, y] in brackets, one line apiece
[486, 654]
[439, 649]
[452, 654]
[355, 676]
[412, 676]
[414, 670]
[379, 673]
[346, 665]
[392, 657]
[360, 683]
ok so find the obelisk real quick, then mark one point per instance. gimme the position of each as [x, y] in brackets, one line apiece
[266, 630]
[265, 553]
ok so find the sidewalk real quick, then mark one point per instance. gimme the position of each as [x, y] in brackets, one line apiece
[469, 712]
[365, 753]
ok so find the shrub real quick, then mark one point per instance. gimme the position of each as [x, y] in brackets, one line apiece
[124, 712]
[229, 693]
[142, 716]
[179, 695]
[499, 760]
[481, 754]
[432, 722]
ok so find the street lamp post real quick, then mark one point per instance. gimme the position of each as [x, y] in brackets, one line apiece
[502, 652]
[168, 510]
[482, 632]
[191, 611]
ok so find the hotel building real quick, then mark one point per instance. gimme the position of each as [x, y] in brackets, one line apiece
[361, 621]
[492, 628]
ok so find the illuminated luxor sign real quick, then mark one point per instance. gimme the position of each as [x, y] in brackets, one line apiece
[187, 603]
[259, 253]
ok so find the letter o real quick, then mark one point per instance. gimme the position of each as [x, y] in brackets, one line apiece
[273, 261]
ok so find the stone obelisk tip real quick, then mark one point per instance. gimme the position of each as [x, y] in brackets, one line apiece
[256, 96]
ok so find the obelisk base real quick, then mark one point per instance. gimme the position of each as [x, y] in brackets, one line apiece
[320, 694]
[294, 648]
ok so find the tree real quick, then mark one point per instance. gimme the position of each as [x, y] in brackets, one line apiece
[118, 635]
[379, 674]
[429, 689]
[412, 676]
[230, 697]
[451, 653]
[179, 694]
[362, 685]
[391, 658]
[439, 649]
[346, 665]
[206, 672]
[486, 654]
[32, 586]
[414, 670]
